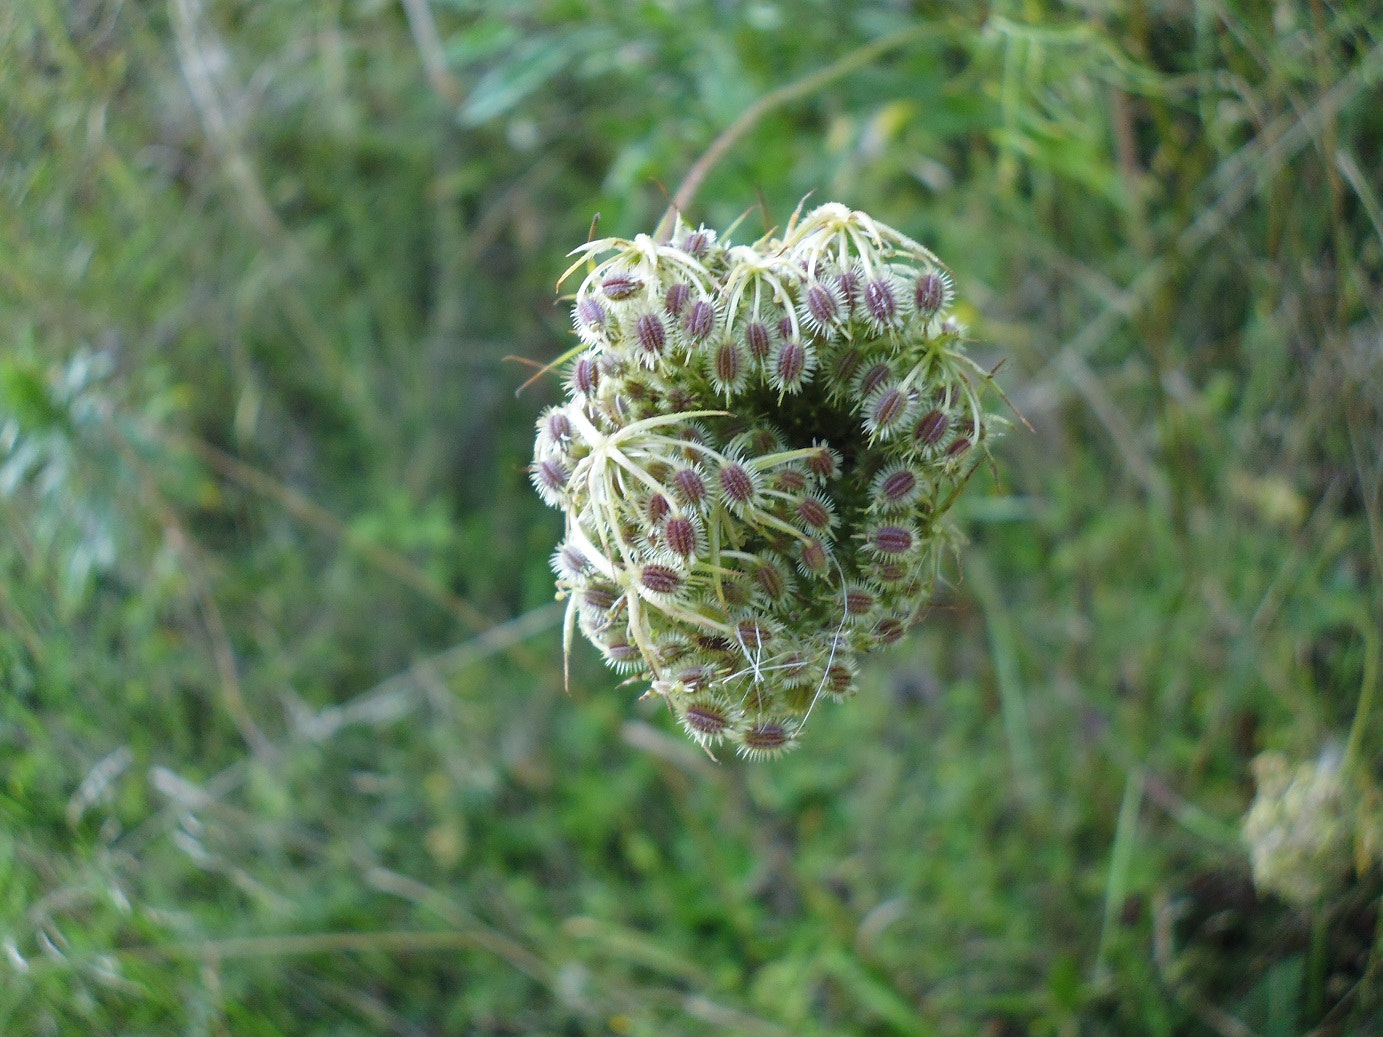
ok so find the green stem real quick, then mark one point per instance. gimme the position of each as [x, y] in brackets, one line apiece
[1367, 691]
[1316, 963]
[786, 94]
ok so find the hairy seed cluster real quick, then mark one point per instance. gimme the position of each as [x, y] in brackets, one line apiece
[755, 460]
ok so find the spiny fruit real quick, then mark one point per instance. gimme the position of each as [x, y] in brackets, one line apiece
[755, 460]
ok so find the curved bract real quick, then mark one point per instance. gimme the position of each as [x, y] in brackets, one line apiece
[756, 458]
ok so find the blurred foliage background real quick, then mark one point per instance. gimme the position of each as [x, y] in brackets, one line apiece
[283, 743]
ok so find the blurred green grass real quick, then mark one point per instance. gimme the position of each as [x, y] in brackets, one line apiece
[283, 746]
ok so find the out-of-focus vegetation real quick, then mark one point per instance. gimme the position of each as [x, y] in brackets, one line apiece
[283, 745]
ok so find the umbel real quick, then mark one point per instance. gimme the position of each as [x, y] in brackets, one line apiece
[756, 459]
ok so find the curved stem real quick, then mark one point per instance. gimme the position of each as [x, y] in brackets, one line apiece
[702, 167]
[1367, 689]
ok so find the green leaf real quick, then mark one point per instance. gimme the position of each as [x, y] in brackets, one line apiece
[483, 40]
[24, 393]
[505, 86]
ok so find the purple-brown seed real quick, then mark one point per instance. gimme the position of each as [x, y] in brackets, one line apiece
[889, 631]
[874, 377]
[893, 540]
[700, 320]
[681, 537]
[678, 295]
[849, 284]
[821, 304]
[660, 579]
[756, 337]
[715, 643]
[823, 463]
[813, 513]
[752, 634]
[551, 474]
[620, 286]
[737, 484]
[770, 580]
[839, 679]
[889, 572]
[622, 651]
[689, 484]
[573, 561]
[766, 736]
[930, 428]
[697, 674]
[791, 363]
[558, 427]
[789, 480]
[691, 434]
[706, 718]
[794, 666]
[651, 334]
[846, 365]
[672, 650]
[929, 293]
[762, 440]
[680, 399]
[858, 601]
[728, 363]
[737, 595]
[585, 376]
[600, 598]
[814, 556]
[899, 485]
[958, 446]
[888, 408]
[697, 242]
[879, 300]
[658, 508]
[590, 313]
